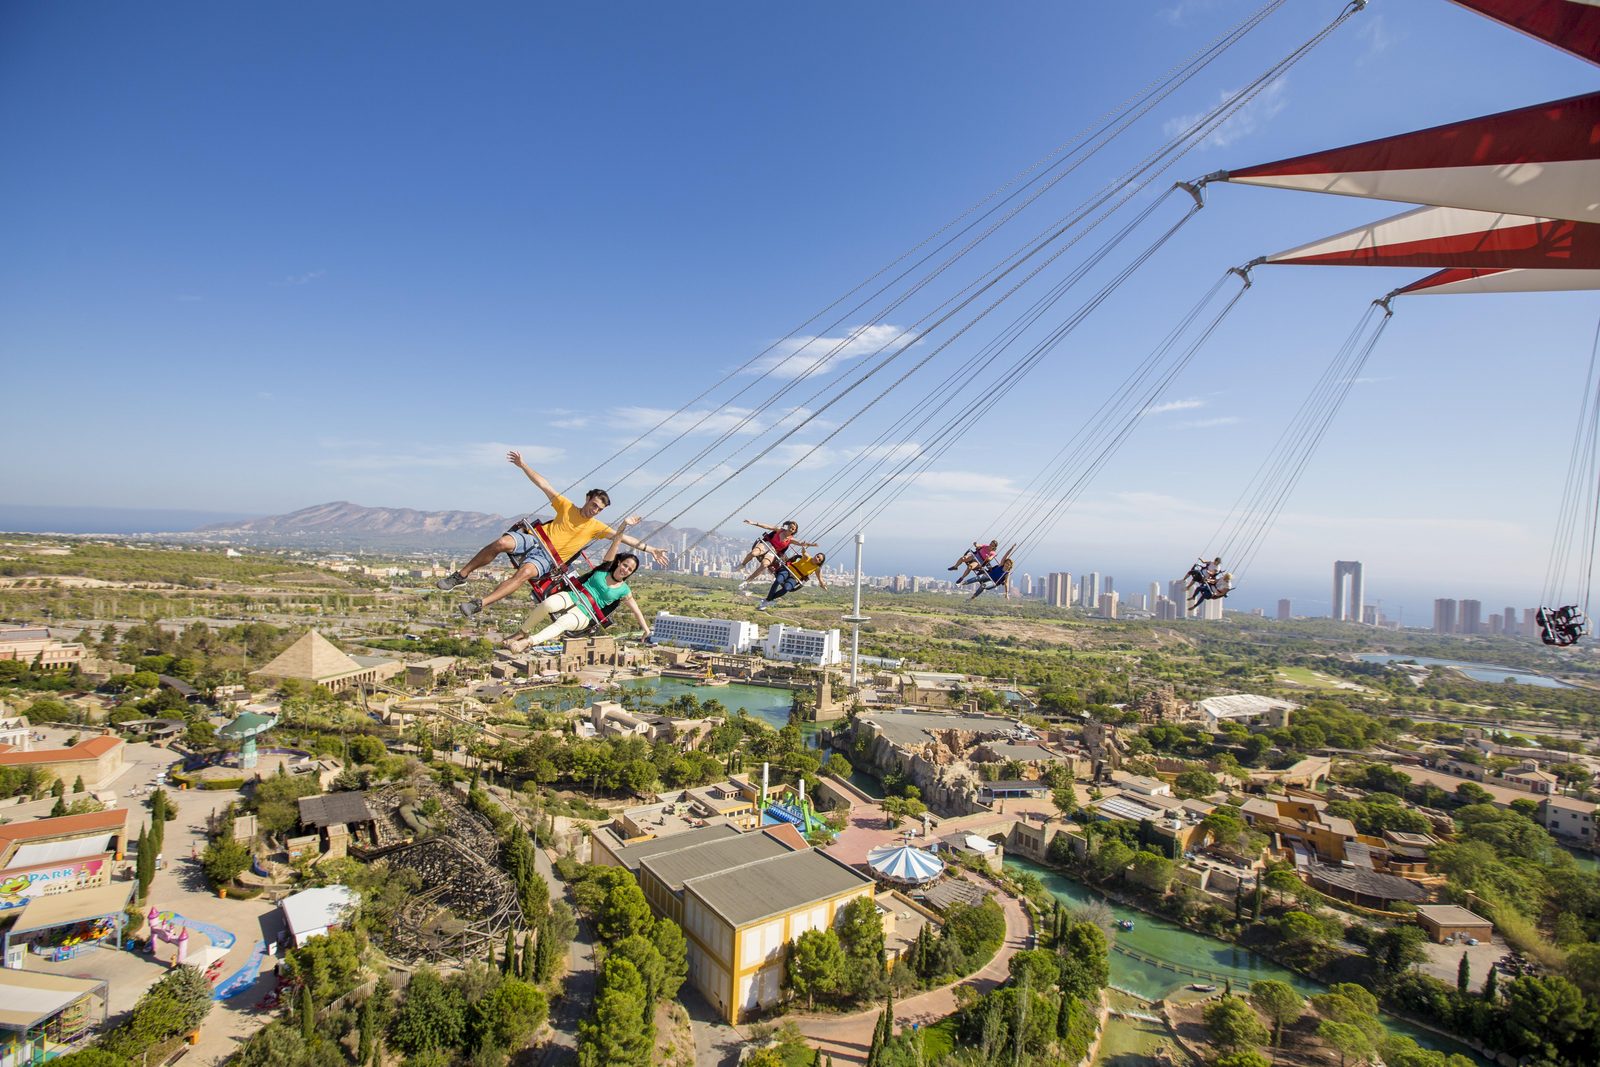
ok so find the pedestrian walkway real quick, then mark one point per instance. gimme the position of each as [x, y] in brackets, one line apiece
[847, 1037]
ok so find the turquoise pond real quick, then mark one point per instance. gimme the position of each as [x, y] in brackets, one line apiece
[1152, 939]
[1478, 672]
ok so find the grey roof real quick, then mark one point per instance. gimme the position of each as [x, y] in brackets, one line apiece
[710, 857]
[630, 856]
[948, 891]
[775, 886]
[1365, 882]
[334, 809]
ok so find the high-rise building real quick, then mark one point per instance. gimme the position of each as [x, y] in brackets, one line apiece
[1210, 609]
[1471, 616]
[1090, 596]
[1026, 589]
[1108, 584]
[1108, 605]
[1178, 593]
[1058, 589]
[1529, 626]
[1284, 611]
[1347, 598]
[1155, 594]
[1444, 616]
[1497, 623]
[1369, 614]
[1510, 622]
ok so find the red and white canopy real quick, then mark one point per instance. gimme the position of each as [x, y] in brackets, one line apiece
[1542, 161]
[1469, 280]
[1456, 237]
[1571, 25]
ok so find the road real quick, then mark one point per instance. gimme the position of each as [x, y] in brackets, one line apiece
[577, 995]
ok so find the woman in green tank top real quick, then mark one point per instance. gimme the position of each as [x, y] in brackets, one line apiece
[564, 613]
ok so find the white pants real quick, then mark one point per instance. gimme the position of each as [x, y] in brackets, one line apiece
[563, 613]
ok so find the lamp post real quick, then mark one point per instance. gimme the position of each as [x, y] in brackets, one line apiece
[855, 618]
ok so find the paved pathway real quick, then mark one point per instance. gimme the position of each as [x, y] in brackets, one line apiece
[846, 1037]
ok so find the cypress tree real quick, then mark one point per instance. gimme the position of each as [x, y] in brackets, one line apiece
[369, 1030]
[1464, 973]
[544, 957]
[1491, 985]
[77, 786]
[308, 1016]
[509, 964]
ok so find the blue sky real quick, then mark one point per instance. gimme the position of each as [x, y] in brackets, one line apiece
[264, 258]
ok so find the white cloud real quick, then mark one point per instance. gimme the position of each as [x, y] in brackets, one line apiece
[1206, 424]
[1179, 13]
[1379, 37]
[795, 357]
[372, 456]
[304, 279]
[1175, 405]
[703, 421]
[1266, 105]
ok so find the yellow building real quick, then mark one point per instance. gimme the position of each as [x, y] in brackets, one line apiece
[315, 659]
[741, 898]
[97, 760]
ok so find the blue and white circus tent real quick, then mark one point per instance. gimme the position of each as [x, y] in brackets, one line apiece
[905, 864]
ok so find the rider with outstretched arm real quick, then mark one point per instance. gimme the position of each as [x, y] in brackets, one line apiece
[568, 533]
[604, 587]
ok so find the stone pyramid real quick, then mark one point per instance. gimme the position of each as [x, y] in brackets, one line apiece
[313, 658]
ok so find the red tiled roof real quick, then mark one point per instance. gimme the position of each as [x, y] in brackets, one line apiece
[93, 748]
[66, 825]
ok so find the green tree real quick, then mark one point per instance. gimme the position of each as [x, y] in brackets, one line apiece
[1196, 783]
[223, 860]
[674, 951]
[308, 1016]
[1399, 948]
[612, 1035]
[861, 930]
[176, 1004]
[1242, 1059]
[816, 965]
[625, 912]
[1233, 1025]
[1279, 1003]
[1464, 974]
[432, 1016]
[1545, 1017]
[1152, 871]
[364, 748]
[330, 966]
[509, 1014]
[368, 1041]
[1085, 961]
[1350, 1042]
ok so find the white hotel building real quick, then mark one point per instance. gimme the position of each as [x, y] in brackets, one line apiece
[792, 643]
[705, 635]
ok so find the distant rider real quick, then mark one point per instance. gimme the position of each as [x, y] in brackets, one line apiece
[793, 574]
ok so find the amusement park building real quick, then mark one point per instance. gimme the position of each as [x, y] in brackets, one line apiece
[705, 635]
[97, 760]
[314, 659]
[741, 899]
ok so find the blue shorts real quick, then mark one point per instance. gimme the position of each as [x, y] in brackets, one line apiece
[528, 548]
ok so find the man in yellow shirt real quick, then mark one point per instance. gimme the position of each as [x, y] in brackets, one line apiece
[539, 553]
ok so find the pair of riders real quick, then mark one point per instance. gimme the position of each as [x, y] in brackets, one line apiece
[1561, 626]
[542, 551]
[1207, 581]
[770, 554]
[985, 570]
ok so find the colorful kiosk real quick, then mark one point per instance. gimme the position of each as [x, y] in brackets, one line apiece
[42, 1014]
[63, 925]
